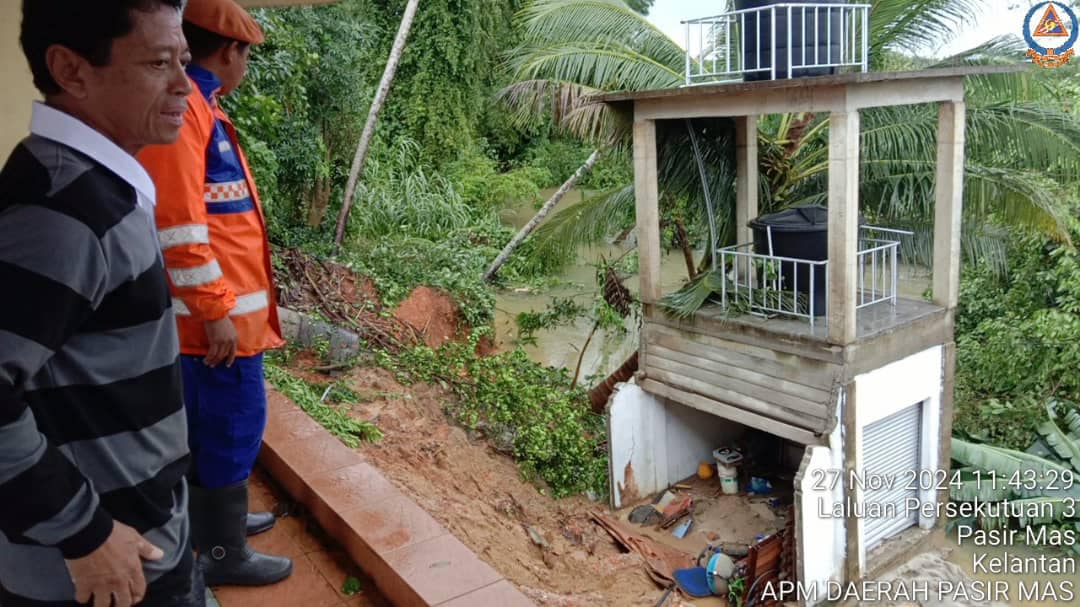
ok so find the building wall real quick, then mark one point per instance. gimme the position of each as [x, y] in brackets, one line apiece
[885, 391]
[19, 88]
[820, 540]
[653, 443]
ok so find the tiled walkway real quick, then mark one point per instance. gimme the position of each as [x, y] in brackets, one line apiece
[320, 568]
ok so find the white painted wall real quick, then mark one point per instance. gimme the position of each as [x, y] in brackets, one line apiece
[885, 391]
[19, 91]
[822, 561]
[661, 441]
[823, 541]
[636, 443]
[692, 435]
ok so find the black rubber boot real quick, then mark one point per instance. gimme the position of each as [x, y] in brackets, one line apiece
[219, 532]
[257, 522]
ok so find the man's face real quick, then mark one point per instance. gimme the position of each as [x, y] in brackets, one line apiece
[140, 97]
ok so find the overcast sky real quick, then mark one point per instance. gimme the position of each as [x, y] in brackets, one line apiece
[666, 14]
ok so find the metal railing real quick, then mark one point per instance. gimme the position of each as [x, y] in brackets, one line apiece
[771, 285]
[878, 266]
[729, 46]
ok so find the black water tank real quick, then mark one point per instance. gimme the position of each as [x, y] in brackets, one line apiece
[801, 233]
[810, 38]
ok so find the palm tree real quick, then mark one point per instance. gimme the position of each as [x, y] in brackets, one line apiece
[364, 145]
[1023, 147]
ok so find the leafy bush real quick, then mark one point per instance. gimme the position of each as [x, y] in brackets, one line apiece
[558, 158]
[399, 196]
[1018, 341]
[482, 186]
[309, 397]
[522, 407]
[399, 264]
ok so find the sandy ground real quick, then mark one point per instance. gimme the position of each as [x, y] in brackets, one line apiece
[477, 493]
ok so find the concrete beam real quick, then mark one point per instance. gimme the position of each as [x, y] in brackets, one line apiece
[747, 103]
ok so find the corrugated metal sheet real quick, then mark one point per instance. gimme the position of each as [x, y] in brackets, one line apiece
[891, 453]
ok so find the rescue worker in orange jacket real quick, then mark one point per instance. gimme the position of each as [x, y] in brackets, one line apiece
[213, 236]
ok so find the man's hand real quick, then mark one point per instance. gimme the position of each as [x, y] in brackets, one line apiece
[222, 337]
[112, 575]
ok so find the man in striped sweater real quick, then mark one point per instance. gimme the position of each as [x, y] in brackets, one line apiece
[93, 435]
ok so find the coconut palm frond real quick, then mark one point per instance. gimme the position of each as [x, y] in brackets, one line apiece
[687, 300]
[1018, 197]
[1021, 160]
[589, 222]
[911, 24]
[594, 64]
[1030, 136]
[611, 23]
[678, 170]
[1011, 196]
[569, 106]
[532, 102]
[1003, 50]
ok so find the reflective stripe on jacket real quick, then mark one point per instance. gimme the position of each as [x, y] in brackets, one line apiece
[211, 227]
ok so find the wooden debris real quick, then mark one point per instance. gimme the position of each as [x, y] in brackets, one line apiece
[676, 510]
[661, 561]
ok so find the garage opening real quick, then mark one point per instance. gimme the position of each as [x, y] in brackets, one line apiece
[891, 451]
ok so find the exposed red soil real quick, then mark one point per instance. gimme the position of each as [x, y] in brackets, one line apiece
[431, 313]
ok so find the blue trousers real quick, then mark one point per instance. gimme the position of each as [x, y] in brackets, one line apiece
[226, 413]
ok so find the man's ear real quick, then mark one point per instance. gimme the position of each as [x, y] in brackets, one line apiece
[232, 52]
[69, 69]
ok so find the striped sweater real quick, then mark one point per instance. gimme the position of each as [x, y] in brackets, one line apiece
[92, 426]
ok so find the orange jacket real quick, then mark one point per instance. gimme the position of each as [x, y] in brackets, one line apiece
[211, 228]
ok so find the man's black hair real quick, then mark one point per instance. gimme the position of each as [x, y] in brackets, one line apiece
[87, 27]
[204, 43]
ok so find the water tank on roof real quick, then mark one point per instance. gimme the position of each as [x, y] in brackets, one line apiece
[813, 39]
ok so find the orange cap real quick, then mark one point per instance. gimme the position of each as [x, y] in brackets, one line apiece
[225, 18]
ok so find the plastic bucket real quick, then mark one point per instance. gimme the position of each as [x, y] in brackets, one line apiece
[729, 478]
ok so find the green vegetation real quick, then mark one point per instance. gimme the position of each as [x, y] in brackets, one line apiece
[484, 115]
[524, 408]
[351, 586]
[1018, 341]
[1047, 476]
[310, 397]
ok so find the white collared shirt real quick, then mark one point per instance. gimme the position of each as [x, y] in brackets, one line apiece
[61, 127]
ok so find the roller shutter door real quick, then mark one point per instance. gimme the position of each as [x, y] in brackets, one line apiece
[891, 451]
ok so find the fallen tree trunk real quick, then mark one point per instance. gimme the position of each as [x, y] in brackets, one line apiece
[520, 237]
[599, 395]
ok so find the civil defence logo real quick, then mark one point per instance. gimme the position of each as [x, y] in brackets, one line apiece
[1051, 29]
